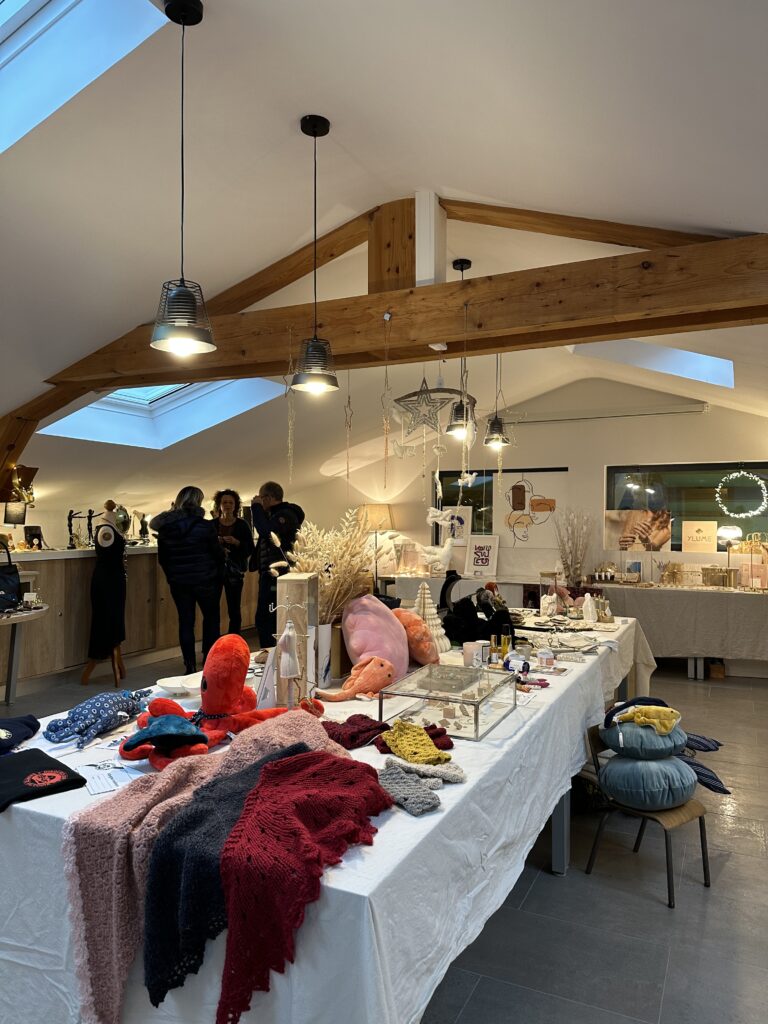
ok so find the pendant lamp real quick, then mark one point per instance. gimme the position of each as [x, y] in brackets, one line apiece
[182, 326]
[461, 422]
[495, 436]
[314, 371]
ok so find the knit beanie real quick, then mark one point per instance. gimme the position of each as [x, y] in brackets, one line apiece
[14, 731]
[412, 743]
[432, 772]
[436, 733]
[31, 774]
[357, 731]
[411, 793]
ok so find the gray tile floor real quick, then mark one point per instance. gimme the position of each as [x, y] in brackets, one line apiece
[606, 949]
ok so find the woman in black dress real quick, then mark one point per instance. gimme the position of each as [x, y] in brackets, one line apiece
[236, 538]
[108, 594]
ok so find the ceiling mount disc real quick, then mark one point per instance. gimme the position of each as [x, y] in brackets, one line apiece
[315, 125]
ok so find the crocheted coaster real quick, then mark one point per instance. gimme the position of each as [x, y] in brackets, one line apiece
[441, 772]
[412, 743]
[407, 791]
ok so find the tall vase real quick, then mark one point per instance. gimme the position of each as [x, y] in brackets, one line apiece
[324, 635]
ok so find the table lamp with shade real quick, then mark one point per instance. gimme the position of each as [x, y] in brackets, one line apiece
[379, 520]
[730, 535]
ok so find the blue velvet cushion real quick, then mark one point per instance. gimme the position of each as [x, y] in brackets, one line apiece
[648, 785]
[642, 741]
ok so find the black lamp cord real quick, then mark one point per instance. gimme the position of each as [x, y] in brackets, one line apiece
[314, 247]
[183, 30]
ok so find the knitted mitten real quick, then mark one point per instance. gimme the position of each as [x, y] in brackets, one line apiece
[438, 735]
[357, 731]
[407, 791]
[430, 772]
[412, 743]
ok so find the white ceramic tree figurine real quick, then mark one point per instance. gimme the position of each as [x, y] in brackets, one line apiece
[425, 607]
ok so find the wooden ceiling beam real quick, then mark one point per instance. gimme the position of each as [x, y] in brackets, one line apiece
[585, 228]
[392, 246]
[709, 285]
[291, 268]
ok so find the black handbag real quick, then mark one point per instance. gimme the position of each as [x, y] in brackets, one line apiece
[10, 583]
[233, 574]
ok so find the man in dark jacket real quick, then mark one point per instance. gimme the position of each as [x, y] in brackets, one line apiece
[272, 515]
[192, 559]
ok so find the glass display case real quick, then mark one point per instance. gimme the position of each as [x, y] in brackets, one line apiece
[467, 702]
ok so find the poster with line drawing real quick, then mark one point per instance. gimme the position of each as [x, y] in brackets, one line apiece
[524, 508]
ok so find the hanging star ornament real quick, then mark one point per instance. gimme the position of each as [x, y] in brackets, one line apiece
[423, 407]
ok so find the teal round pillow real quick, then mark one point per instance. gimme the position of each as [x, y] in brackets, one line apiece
[642, 741]
[648, 785]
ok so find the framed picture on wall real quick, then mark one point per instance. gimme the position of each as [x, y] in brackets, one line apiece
[482, 556]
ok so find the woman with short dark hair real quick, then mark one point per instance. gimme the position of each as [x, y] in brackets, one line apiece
[192, 559]
[236, 539]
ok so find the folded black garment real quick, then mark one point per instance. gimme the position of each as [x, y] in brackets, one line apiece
[184, 902]
[14, 731]
[31, 774]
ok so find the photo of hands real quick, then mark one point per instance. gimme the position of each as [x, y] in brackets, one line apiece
[638, 530]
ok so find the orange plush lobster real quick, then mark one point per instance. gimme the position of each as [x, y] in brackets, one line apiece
[167, 731]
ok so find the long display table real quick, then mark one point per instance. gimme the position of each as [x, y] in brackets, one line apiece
[696, 624]
[390, 918]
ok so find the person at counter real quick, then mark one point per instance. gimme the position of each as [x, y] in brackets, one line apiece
[192, 559]
[272, 515]
[236, 539]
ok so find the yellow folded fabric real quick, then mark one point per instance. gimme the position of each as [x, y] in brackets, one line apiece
[413, 744]
[663, 720]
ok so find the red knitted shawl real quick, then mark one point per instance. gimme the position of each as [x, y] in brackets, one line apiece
[302, 815]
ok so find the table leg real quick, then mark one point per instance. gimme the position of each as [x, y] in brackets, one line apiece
[692, 668]
[13, 665]
[561, 835]
[699, 668]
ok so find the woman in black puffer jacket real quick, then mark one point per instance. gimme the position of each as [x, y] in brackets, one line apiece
[188, 549]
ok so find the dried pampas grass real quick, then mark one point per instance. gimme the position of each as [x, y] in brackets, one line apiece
[573, 527]
[341, 560]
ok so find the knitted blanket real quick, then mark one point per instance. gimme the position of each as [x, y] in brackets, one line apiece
[184, 905]
[107, 847]
[303, 815]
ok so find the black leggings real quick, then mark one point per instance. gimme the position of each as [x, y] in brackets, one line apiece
[234, 595]
[187, 598]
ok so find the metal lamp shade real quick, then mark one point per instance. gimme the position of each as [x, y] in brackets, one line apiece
[182, 326]
[15, 513]
[495, 438]
[462, 420]
[315, 372]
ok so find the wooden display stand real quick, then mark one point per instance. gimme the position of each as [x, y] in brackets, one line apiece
[297, 600]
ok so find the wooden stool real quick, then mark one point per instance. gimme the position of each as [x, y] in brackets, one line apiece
[119, 671]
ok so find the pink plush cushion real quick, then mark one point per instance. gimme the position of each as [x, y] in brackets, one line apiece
[371, 630]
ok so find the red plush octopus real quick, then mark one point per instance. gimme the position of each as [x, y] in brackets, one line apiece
[228, 706]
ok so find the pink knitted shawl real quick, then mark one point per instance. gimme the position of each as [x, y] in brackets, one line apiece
[106, 849]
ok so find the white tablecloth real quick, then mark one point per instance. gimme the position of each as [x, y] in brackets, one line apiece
[683, 623]
[390, 918]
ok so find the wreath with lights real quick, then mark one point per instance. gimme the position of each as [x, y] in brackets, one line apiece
[741, 474]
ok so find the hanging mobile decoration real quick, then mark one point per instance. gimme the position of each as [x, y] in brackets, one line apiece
[386, 397]
[424, 496]
[291, 406]
[348, 413]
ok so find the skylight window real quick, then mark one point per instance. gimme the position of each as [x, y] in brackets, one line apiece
[52, 49]
[162, 416]
[677, 362]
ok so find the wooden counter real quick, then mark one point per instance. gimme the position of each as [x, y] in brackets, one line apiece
[60, 641]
